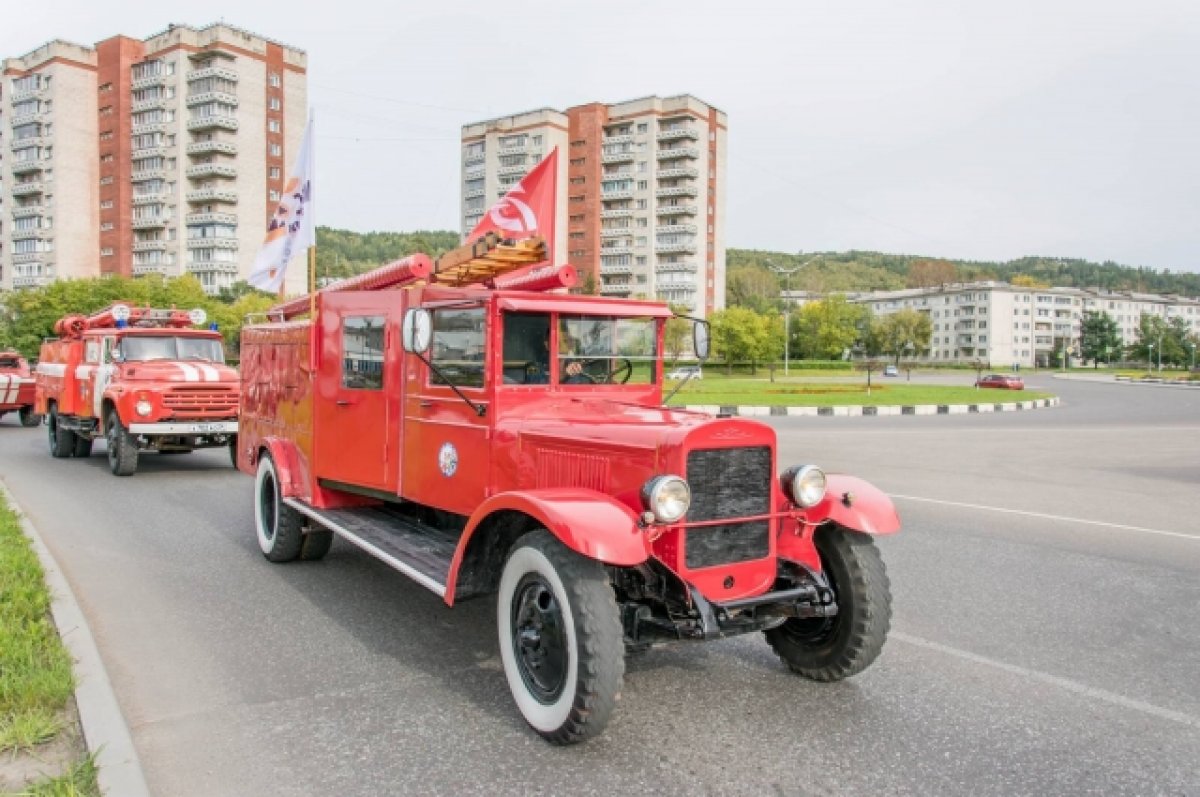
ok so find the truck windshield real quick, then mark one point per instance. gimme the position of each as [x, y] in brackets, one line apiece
[607, 350]
[170, 347]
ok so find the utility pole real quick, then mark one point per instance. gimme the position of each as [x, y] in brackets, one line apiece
[787, 273]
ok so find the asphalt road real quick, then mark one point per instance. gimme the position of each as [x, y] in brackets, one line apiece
[1046, 637]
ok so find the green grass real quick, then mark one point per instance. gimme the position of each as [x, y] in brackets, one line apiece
[80, 781]
[802, 393]
[35, 669]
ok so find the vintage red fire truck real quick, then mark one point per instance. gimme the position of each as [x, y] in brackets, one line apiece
[490, 438]
[16, 388]
[143, 379]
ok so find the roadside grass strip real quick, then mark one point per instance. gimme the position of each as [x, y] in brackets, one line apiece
[762, 393]
[79, 781]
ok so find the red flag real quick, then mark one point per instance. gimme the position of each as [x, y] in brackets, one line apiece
[527, 209]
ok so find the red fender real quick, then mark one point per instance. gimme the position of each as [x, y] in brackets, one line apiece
[586, 521]
[856, 505]
[287, 466]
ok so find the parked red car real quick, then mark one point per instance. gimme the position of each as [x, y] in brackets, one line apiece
[1002, 381]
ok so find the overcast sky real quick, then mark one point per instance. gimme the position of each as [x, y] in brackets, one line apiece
[984, 130]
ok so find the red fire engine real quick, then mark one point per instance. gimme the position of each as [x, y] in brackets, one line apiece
[143, 379]
[483, 437]
[16, 388]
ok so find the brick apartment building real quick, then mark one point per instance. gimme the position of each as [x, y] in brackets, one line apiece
[641, 189]
[135, 157]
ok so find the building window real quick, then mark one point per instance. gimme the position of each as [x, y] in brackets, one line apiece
[274, 172]
[642, 127]
[273, 125]
[276, 150]
[275, 80]
[275, 104]
[106, 204]
[106, 252]
[274, 195]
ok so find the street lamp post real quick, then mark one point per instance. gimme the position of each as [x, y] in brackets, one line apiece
[1150, 358]
[1160, 354]
[787, 273]
[1193, 345]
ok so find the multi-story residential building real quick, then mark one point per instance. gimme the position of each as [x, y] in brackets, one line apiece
[644, 187]
[135, 157]
[1004, 324]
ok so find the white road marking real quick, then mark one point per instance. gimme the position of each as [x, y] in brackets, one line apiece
[1045, 516]
[1053, 680]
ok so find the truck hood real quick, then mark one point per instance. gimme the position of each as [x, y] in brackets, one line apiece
[191, 372]
[589, 420]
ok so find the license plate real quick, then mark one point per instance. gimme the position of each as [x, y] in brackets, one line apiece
[206, 427]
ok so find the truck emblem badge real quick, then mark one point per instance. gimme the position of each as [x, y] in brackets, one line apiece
[448, 459]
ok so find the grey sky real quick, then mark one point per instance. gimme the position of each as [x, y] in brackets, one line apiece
[982, 130]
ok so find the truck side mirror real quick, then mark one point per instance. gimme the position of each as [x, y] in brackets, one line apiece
[700, 339]
[417, 330]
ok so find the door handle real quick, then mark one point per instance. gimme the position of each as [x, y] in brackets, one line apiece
[343, 403]
[425, 404]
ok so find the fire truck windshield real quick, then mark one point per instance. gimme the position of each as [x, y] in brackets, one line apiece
[171, 347]
[607, 349]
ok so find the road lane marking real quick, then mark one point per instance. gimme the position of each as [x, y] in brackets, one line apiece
[1045, 516]
[1054, 680]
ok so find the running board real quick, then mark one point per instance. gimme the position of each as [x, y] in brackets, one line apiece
[419, 552]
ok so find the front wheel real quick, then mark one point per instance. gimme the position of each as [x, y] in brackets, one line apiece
[833, 648]
[62, 441]
[29, 418]
[122, 447]
[560, 639]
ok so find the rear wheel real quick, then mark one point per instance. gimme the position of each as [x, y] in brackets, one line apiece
[316, 544]
[82, 447]
[62, 441]
[29, 418]
[122, 447]
[279, 528]
[560, 639]
[833, 648]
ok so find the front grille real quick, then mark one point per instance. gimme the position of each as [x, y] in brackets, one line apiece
[572, 469]
[201, 402]
[728, 483]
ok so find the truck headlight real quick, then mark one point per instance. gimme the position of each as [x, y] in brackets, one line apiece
[804, 484]
[143, 408]
[667, 498]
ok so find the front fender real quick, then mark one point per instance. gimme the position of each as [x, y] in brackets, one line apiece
[855, 504]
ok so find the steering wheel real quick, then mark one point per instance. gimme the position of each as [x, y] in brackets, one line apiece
[619, 375]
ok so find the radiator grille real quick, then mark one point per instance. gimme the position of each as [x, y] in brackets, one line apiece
[201, 402]
[572, 469]
[727, 483]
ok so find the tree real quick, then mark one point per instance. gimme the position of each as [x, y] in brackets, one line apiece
[752, 287]
[928, 273]
[827, 328]
[676, 334]
[1098, 337]
[739, 335]
[903, 330]
[1151, 330]
[1026, 281]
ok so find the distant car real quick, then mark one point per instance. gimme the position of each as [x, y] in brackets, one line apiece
[1002, 381]
[686, 372]
[891, 370]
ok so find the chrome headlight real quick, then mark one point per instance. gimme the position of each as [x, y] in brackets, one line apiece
[667, 498]
[143, 408]
[804, 484]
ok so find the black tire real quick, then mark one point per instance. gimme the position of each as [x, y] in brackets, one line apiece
[278, 527]
[82, 447]
[62, 441]
[122, 447]
[833, 648]
[316, 544]
[560, 639]
[233, 451]
[29, 418]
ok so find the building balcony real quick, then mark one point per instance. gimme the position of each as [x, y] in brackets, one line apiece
[150, 222]
[683, 229]
[475, 173]
[144, 269]
[27, 257]
[23, 211]
[618, 157]
[211, 71]
[212, 243]
[678, 171]
[211, 170]
[625, 174]
[150, 197]
[28, 94]
[148, 152]
[616, 290]
[153, 127]
[609, 196]
[25, 189]
[677, 133]
[28, 118]
[624, 138]
[25, 167]
[677, 190]
[673, 290]
[30, 141]
[505, 171]
[148, 81]
[38, 281]
[33, 232]
[685, 266]
[212, 195]
[149, 246]
[212, 268]
[211, 96]
[615, 250]
[207, 147]
[148, 174]
[471, 160]
[678, 248]
[210, 218]
[474, 192]
[149, 105]
[615, 271]
[675, 210]
[214, 122]
[518, 149]
[678, 152]
[616, 232]
[616, 213]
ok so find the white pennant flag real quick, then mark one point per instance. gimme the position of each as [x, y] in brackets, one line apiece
[292, 228]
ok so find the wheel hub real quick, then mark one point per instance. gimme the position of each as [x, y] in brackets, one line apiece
[539, 639]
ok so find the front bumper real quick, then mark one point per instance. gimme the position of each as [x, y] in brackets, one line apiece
[185, 428]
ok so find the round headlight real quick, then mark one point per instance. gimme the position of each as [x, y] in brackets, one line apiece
[143, 408]
[667, 497]
[804, 484]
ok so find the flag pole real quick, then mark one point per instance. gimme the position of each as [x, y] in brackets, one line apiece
[312, 284]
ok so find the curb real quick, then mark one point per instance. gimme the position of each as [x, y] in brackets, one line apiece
[119, 771]
[856, 410]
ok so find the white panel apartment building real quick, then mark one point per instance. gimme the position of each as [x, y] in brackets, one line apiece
[1006, 325]
[641, 190]
[163, 156]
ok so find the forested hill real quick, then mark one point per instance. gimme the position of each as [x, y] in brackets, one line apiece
[342, 253]
[857, 271]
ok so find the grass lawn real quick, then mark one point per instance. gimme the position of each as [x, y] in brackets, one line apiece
[805, 393]
[35, 670]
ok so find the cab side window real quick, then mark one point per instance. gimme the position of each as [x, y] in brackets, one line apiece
[362, 352]
[459, 341]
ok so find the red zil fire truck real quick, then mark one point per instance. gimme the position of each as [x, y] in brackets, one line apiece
[16, 388]
[143, 379]
[487, 437]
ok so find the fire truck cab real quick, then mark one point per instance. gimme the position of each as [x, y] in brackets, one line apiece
[16, 388]
[488, 440]
[142, 379]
